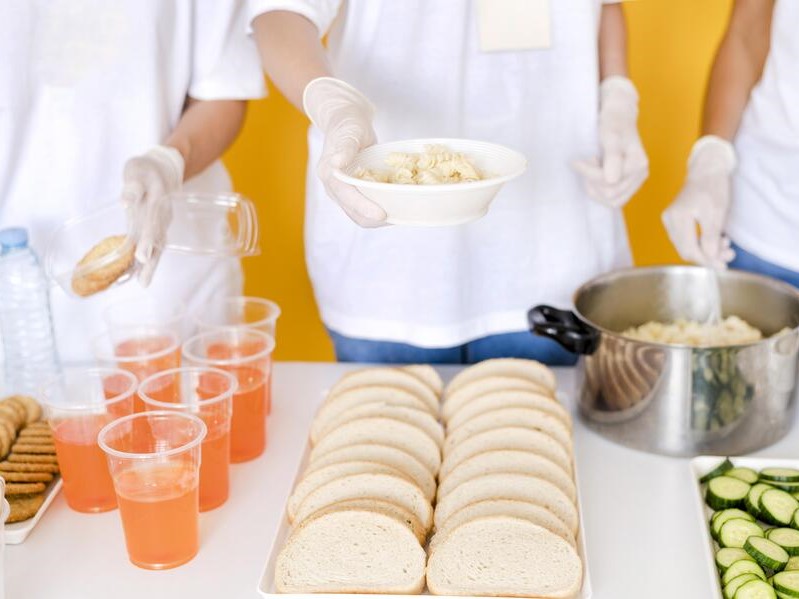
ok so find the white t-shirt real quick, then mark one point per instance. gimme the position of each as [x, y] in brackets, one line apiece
[84, 86]
[421, 65]
[764, 218]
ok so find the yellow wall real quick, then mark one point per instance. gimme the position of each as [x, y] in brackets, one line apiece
[671, 47]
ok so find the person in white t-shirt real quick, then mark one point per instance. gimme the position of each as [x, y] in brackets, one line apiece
[432, 69]
[742, 188]
[102, 101]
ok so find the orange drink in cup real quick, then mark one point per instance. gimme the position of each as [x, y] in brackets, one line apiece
[208, 394]
[247, 355]
[154, 460]
[78, 403]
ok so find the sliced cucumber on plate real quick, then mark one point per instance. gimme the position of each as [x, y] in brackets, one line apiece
[745, 474]
[752, 500]
[742, 567]
[720, 518]
[735, 532]
[756, 589]
[717, 471]
[781, 475]
[787, 583]
[736, 583]
[727, 556]
[778, 507]
[787, 538]
[725, 492]
[767, 553]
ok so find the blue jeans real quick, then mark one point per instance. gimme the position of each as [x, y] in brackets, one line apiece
[746, 261]
[507, 345]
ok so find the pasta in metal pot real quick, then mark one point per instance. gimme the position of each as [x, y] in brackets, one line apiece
[730, 331]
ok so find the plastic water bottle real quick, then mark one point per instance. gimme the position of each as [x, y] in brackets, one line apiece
[26, 324]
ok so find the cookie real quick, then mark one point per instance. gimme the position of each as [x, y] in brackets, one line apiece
[27, 458]
[19, 409]
[27, 477]
[102, 277]
[24, 507]
[6, 440]
[32, 407]
[27, 467]
[10, 413]
[35, 433]
[38, 448]
[24, 488]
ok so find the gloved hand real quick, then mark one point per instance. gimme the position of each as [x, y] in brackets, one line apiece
[148, 180]
[345, 117]
[704, 200]
[613, 178]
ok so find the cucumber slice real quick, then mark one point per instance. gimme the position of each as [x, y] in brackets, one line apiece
[747, 475]
[717, 471]
[767, 553]
[782, 595]
[752, 500]
[787, 538]
[727, 556]
[756, 589]
[793, 564]
[725, 492]
[720, 518]
[736, 583]
[789, 487]
[781, 475]
[787, 582]
[735, 532]
[778, 507]
[742, 567]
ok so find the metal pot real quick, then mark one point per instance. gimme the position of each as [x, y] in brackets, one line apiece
[673, 399]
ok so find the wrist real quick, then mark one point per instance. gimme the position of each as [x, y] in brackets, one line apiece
[324, 96]
[173, 155]
[712, 153]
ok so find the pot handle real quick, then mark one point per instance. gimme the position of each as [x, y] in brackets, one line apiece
[564, 327]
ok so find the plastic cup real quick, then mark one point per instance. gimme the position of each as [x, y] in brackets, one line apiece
[208, 394]
[77, 404]
[154, 460]
[254, 312]
[146, 312]
[247, 355]
[141, 350]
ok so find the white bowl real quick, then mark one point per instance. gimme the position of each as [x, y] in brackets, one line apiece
[436, 205]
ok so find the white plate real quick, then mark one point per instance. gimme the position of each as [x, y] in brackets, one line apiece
[266, 586]
[701, 466]
[17, 532]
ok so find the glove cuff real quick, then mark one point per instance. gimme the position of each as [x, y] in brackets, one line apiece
[173, 162]
[712, 153]
[618, 89]
[323, 96]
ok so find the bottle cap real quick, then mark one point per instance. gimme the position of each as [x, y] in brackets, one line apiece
[13, 238]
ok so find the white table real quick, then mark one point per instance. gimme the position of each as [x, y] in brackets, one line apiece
[638, 510]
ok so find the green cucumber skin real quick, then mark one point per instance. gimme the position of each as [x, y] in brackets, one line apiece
[768, 516]
[744, 568]
[717, 471]
[782, 475]
[793, 548]
[717, 501]
[757, 589]
[736, 583]
[747, 475]
[758, 550]
[727, 556]
[787, 582]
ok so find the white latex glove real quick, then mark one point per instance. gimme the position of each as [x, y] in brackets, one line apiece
[345, 117]
[705, 201]
[148, 180]
[613, 178]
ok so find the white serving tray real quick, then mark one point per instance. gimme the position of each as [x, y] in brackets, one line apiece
[17, 532]
[266, 584]
[701, 466]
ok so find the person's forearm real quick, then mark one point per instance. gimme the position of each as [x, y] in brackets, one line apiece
[291, 52]
[738, 67]
[612, 42]
[205, 130]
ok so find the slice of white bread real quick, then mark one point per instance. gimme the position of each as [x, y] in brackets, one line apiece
[368, 486]
[504, 556]
[386, 432]
[508, 461]
[391, 377]
[333, 407]
[428, 374]
[382, 454]
[521, 487]
[455, 401]
[509, 437]
[383, 507]
[505, 507]
[351, 551]
[494, 400]
[523, 417]
[421, 419]
[316, 478]
[515, 367]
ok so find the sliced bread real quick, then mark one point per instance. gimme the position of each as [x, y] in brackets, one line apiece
[505, 507]
[383, 507]
[513, 367]
[351, 551]
[382, 454]
[391, 377]
[368, 486]
[521, 487]
[421, 419]
[456, 400]
[428, 374]
[504, 556]
[386, 432]
[523, 417]
[508, 461]
[494, 400]
[509, 437]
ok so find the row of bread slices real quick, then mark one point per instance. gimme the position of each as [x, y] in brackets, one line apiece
[362, 510]
[506, 515]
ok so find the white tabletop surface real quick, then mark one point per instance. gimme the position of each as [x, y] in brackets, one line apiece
[639, 518]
